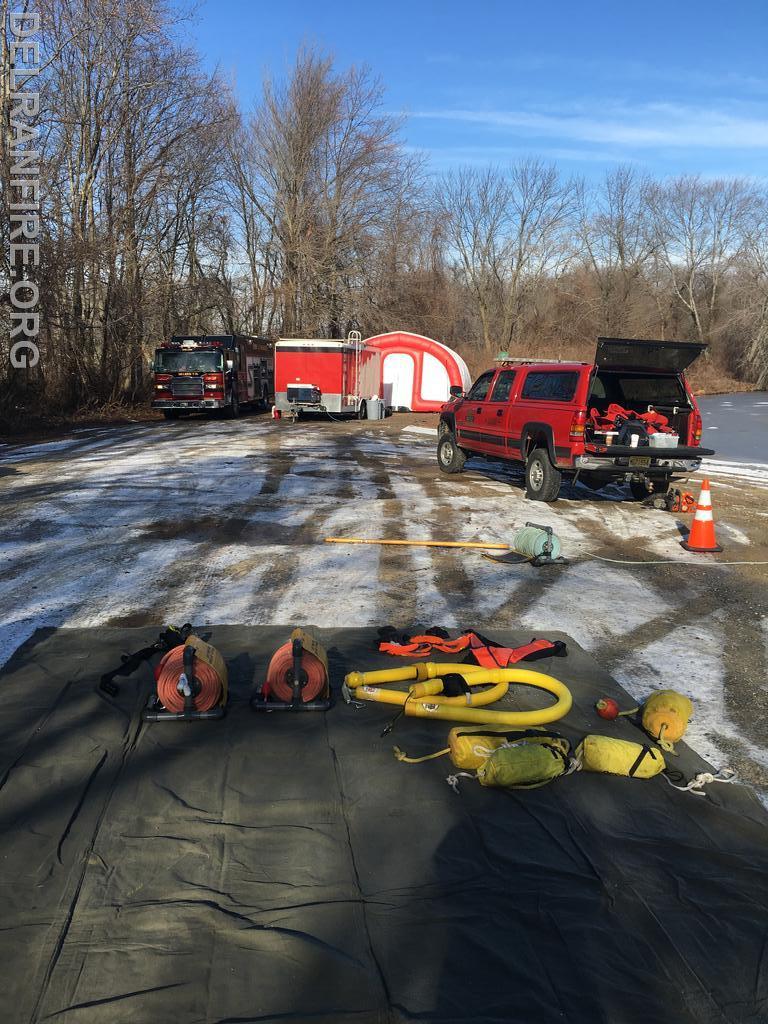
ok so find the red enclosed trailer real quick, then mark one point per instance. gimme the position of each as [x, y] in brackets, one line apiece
[325, 375]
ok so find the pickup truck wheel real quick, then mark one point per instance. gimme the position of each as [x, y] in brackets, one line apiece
[450, 458]
[542, 480]
[640, 489]
[362, 411]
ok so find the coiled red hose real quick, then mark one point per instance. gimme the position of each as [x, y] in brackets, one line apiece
[281, 669]
[167, 676]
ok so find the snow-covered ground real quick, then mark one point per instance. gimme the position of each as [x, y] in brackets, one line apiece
[225, 522]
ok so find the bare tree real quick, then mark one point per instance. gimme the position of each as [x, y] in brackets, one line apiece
[323, 168]
[475, 205]
[698, 228]
[755, 292]
[617, 241]
[509, 234]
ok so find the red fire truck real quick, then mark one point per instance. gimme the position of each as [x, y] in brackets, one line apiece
[325, 375]
[205, 373]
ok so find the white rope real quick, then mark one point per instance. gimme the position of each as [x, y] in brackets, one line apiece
[667, 561]
[453, 780]
[697, 783]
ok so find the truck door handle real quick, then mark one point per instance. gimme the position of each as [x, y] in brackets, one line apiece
[499, 412]
[479, 408]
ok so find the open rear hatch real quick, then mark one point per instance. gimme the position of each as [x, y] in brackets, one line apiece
[651, 356]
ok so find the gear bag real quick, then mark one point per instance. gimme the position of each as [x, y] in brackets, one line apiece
[470, 746]
[526, 764]
[619, 757]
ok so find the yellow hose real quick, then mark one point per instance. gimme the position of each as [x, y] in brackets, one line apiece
[468, 707]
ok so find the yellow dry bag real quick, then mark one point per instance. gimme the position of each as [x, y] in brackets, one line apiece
[470, 746]
[527, 764]
[619, 757]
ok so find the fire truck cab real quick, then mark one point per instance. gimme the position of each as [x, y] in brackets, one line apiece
[208, 373]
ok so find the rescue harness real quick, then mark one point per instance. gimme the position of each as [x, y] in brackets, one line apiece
[486, 653]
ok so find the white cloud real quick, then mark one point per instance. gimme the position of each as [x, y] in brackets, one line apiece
[634, 127]
[616, 71]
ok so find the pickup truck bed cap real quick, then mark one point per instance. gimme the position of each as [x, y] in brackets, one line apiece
[655, 356]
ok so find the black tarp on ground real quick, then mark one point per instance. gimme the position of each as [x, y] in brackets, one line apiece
[287, 868]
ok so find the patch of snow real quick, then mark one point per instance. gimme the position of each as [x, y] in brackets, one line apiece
[619, 604]
[689, 659]
[733, 533]
[430, 431]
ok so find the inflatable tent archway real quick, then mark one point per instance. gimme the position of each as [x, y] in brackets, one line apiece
[417, 372]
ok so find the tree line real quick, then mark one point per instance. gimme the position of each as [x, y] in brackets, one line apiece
[167, 207]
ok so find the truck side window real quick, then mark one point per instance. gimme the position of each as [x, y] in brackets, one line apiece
[479, 389]
[552, 386]
[502, 389]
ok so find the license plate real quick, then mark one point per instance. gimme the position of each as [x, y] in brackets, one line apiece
[639, 460]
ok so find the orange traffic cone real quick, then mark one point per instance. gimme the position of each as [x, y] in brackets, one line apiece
[702, 535]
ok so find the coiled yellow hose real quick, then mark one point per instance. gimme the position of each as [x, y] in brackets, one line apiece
[467, 707]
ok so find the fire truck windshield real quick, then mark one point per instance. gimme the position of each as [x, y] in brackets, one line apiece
[174, 360]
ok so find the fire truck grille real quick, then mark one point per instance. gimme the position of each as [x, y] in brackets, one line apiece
[187, 387]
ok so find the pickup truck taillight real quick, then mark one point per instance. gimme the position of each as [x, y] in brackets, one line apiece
[576, 433]
[696, 433]
[162, 378]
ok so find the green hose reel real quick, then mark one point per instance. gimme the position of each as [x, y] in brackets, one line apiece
[535, 544]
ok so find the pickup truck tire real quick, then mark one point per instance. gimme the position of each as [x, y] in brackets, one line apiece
[362, 411]
[542, 480]
[640, 490]
[450, 458]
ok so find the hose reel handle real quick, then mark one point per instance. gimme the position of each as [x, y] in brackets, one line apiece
[299, 675]
[548, 542]
[190, 686]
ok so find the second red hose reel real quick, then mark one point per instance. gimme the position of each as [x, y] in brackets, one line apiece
[297, 677]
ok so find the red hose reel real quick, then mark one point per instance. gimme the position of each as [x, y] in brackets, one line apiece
[191, 683]
[168, 674]
[297, 677]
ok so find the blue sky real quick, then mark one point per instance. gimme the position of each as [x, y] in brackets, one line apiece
[676, 86]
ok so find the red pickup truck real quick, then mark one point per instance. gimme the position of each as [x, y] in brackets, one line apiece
[593, 421]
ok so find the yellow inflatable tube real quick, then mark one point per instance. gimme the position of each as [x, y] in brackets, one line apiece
[468, 707]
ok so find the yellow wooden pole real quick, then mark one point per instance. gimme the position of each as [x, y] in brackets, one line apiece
[418, 543]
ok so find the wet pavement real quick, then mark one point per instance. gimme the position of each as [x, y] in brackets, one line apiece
[736, 426]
